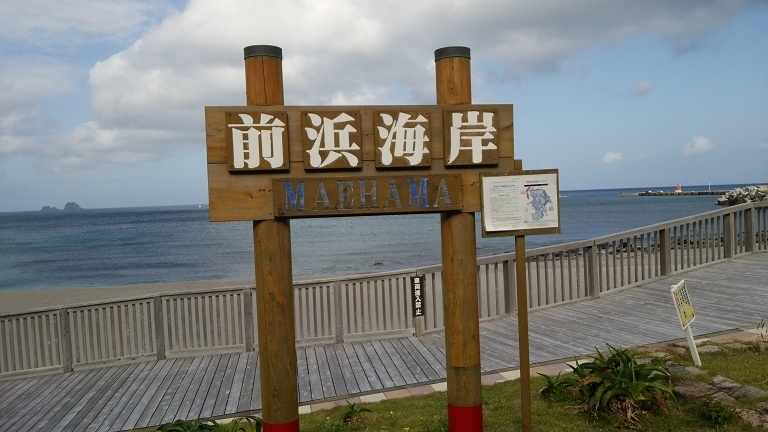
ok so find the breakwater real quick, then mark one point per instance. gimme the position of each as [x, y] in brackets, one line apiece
[674, 193]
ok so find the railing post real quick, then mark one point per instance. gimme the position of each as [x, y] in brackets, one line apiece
[157, 304]
[248, 319]
[338, 317]
[65, 339]
[510, 296]
[729, 236]
[665, 252]
[749, 229]
[593, 282]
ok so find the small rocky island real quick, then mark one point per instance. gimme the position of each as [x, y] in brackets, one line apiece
[67, 206]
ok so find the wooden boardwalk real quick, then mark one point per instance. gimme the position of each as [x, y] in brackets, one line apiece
[725, 296]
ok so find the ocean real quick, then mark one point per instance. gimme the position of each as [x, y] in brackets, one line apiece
[128, 246]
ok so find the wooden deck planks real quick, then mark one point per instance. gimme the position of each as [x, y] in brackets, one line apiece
[203, 386]
[238, 384]
[212, 391]
[84, 403]
[155, 392]
[337, 378]
[136, 391]
[361, 377]
[346, 370]
[99, 422]
[430, 369]
[148, 393]
[38, 411]
[163, 406]
[23, 397]
[187, 374]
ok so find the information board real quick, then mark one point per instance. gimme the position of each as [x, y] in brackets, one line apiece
[520, 203]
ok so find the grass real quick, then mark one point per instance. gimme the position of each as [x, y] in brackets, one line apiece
[501, 407]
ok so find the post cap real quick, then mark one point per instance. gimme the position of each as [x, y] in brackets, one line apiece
[451, 51]
[263, 51]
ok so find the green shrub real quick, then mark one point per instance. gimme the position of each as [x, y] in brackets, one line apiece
[713, 412]
[351, 419]
[241, 424]
[616, 384]
[558, 387]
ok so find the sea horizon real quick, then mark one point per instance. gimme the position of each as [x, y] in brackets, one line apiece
[667, 188]
[160, 244]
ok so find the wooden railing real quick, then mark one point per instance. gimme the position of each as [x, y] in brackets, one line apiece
[371, 306]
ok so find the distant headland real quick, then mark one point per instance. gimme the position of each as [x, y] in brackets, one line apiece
[67, 206]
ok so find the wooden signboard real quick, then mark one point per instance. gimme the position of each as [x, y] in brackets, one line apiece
[255, 153]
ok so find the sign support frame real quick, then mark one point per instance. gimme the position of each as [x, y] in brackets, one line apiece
[273, 270]
[459, 246]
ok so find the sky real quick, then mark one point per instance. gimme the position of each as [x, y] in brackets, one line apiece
[102, 102]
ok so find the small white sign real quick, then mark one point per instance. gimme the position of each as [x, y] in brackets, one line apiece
[685, 313]
[683, 304]
[521, 203]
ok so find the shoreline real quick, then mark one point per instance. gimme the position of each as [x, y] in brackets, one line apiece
[26, 300]
[21, 301]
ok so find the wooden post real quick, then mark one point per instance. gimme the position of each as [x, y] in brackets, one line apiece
[749, 229]
[729, 235]
[665, 252]
[593, 287]
[522, 330]
[338, 303]
[157, 306]
[274, 280]
[459, 250]
[65, 339]
[510, 301]
[248, 320]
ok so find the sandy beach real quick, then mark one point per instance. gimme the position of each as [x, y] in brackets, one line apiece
[20, 301]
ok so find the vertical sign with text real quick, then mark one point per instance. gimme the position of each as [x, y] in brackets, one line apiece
[682, 304]
[417, 295]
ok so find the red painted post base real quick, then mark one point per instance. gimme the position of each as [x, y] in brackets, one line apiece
[465, 419]
[285, 427]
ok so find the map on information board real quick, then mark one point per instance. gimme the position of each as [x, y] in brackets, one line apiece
[521, 203]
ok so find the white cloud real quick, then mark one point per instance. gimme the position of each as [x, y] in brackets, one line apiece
[148, 98]
[59, 23]
[26, 83]
[698, 145]
[643, 88]
[612, 157]
[762, 146]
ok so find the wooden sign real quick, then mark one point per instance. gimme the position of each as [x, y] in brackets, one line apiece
[255, 151]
